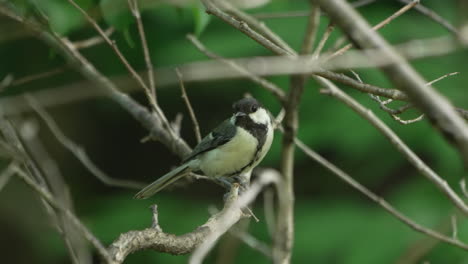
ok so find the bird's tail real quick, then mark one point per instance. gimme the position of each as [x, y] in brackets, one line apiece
[164, 181]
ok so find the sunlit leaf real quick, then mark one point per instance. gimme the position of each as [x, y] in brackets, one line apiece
[200, 18]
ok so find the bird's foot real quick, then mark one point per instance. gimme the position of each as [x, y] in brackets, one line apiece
[227, 182]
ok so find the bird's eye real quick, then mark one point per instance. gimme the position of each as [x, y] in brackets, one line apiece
[254, 108]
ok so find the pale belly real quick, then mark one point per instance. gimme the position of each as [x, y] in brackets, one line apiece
[230, 157]
[235, 155]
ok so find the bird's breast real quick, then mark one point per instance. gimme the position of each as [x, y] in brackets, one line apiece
[230, 157]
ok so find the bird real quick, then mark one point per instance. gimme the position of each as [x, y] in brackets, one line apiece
[231, 151]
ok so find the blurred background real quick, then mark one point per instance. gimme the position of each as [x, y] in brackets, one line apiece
[333, 222]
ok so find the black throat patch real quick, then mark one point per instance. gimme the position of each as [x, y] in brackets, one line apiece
[259, 131]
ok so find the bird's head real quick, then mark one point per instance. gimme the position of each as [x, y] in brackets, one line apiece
[250, 109]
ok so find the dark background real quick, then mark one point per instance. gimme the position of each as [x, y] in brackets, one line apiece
[333, 222]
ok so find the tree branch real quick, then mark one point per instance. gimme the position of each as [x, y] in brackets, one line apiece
[133, 5]
[425, 170]
[58, 206]
[436, 107]
[77, 150]
[377, 199]
[196, 127]
[202, 237]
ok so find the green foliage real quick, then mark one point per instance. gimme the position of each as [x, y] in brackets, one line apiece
[116, 13]
[200, 18]
[334, 223]
[62, 17]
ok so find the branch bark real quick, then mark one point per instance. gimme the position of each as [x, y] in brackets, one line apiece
[436, 107]
[425, 170]
[198, 241]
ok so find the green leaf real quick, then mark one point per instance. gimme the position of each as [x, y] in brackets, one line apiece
[62, 16]
[128, 37]
[201, 18]
[117, 14]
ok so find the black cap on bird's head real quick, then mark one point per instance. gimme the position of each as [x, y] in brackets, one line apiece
[246, 106]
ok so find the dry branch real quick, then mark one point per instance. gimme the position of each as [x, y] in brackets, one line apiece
[196, 127]
[202, 237]
[213, 70]
[437, 108]
[425, 170]
[377, 199]
[72, 218]
[380, 25]
[133, 5]
[77, 150]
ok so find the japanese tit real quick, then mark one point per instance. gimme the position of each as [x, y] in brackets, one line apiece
[232, 149]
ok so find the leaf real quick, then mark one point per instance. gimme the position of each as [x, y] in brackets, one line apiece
[117, 14]
[200, 18]
[61, 15]
[128, 37]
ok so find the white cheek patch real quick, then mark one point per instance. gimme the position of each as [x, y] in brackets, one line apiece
[260, 116]
[233, 120]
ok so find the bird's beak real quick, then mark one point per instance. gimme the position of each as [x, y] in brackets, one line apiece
[240, 114]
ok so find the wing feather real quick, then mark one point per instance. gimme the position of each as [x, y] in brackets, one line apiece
[219, 136]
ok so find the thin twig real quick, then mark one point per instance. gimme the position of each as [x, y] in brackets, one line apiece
[402, 75]
[36, 76]
[434, 16]
[213, 70]
[211, 8]
[196, 126]
[157, 124]
[453, 221]
[442, 77]
[6, 82]
[463, 188]
[287, 14]
[313, 24]
[326, 35]
[380, 25]
[176, 125]
[379, 200]
[394, 112]
[58, 206]
[77, 150]
[421, 247]
[133, 5]
[6, 174]
[256, 25]
[155, 218]
[363, 87]
[51, 179]
[119, 54]
[87, 43]
[269, 86]
[291, 14]
[367, 114]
